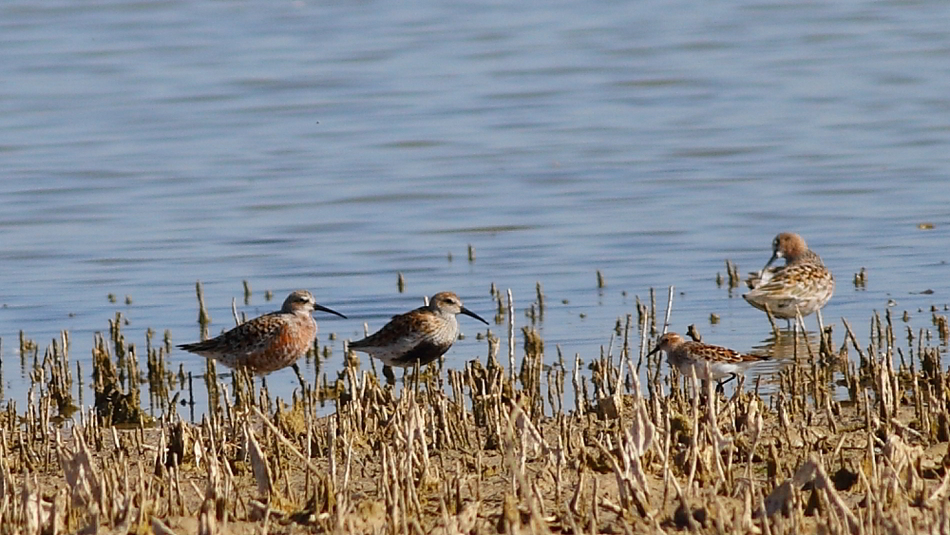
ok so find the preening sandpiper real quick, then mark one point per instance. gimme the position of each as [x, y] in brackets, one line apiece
[802, 286]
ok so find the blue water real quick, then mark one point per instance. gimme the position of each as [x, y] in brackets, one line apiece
[331, 146]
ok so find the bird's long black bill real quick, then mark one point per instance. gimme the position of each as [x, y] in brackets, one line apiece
[325, 309]
[468, 312]
[771, 260]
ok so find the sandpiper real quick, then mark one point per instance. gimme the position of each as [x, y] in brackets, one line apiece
[802, 286]
[722, 361]
[422, 335]
[270, 342]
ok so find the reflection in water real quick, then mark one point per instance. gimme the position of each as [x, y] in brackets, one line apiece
[788, 346]
[793, 352]
[785, 348]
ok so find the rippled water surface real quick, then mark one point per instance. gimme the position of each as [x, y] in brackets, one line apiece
[333, 145]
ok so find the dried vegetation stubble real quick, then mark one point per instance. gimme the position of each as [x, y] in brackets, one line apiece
[533, 446]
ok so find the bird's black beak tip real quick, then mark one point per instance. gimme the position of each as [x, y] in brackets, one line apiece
[329, 310]
[469, 313]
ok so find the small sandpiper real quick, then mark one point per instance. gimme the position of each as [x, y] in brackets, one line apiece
[422, 335]
[722, 361]
[802, 286]
[270, 342]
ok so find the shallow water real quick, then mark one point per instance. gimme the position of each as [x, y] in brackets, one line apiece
[331, 146]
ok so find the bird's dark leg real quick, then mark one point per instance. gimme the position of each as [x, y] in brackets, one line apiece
[390, 376]
[415, 372]
[703, 391]
[721, 384]
[303, 384]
